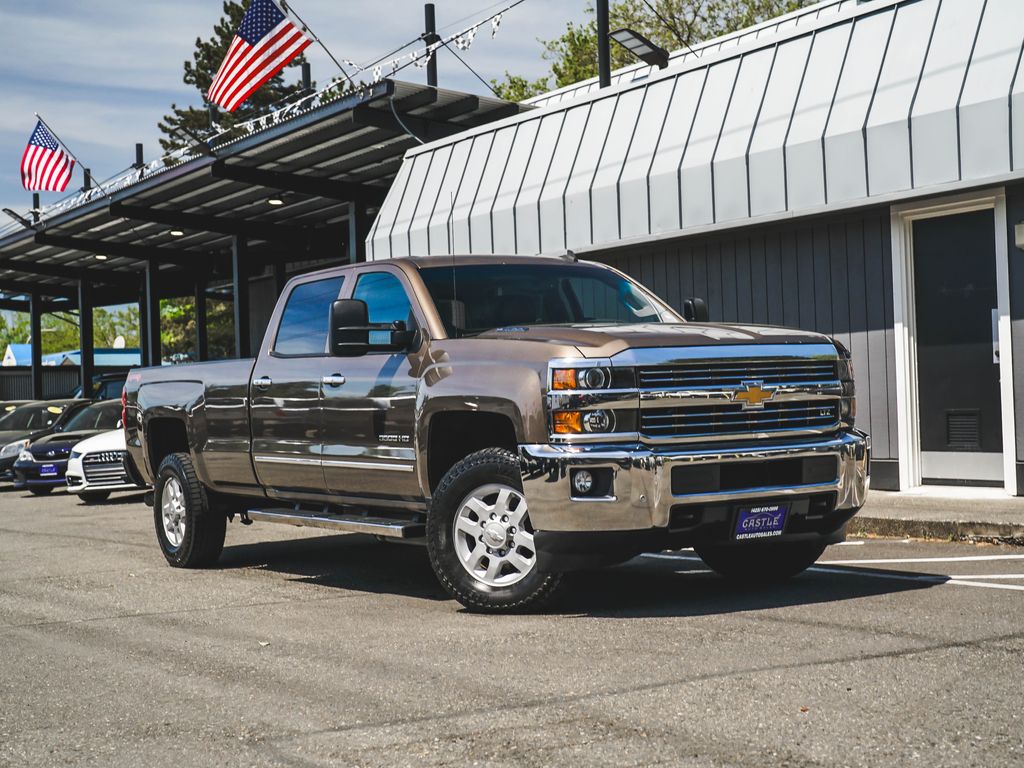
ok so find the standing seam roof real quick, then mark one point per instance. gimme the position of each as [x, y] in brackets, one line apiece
[878, 99]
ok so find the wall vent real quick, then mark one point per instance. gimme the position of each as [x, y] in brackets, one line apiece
[963, 430]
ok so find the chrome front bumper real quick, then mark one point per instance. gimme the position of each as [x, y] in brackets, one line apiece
[642, 495]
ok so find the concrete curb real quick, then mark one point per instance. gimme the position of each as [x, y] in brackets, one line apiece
[946, 530]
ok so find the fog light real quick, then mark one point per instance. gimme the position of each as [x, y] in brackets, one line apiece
[582, 482]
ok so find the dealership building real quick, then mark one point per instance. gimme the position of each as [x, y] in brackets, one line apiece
[855, 168]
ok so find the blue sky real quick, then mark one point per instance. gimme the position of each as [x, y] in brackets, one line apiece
[103, 72]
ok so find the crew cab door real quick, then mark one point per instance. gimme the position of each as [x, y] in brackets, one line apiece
[286, 413]
[369, 403]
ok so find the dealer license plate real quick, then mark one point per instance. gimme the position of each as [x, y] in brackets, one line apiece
[762, 522]
[48, 470]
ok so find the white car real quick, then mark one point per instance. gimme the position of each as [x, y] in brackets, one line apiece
[96, 467]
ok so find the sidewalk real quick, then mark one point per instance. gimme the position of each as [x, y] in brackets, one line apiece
[973, 514]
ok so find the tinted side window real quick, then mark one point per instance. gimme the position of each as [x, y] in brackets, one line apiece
[386, 302]
[306, 317]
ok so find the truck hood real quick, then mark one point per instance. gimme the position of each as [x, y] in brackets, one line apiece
[608, 340]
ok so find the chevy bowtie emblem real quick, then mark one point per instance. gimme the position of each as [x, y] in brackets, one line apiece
[753, 395]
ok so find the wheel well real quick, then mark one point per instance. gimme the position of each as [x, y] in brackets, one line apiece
[164, 437]
[454, 435]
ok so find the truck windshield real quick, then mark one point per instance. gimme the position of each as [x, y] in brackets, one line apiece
[474, 298]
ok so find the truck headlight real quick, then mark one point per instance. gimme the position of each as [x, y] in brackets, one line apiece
[563, 379]
[13, 449]
[583, 422]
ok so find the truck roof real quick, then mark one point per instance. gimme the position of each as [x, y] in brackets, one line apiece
[468, 259]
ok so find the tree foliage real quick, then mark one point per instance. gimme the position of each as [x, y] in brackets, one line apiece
[178, 328]
[672, 24]
[60, 329]
[199, 73]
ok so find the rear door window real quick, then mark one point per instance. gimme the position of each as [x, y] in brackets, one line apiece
[306, 318]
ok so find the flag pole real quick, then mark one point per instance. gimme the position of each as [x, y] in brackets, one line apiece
[288, 9]
[68, 150]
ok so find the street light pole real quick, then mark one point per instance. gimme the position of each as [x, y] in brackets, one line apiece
[429, 37]
[604, 57]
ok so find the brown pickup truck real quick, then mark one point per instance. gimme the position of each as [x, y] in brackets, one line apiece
[521, 416]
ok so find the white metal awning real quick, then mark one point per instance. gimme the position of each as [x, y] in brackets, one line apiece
[887, 99]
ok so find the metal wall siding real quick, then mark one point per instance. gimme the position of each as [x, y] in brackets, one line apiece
[633, 192]
[480, 232]
[805, 162]
[439, 233]
[503, 217]
[1015, 214]
[888, 133]
[466, 195]
[933, 122]
[695, 178]
[766, 159]
[604, 190]
[552, 204]
[379, 239]
[527, 210]
[845, 159]
[419, 240]
[664, 173]
[847, 103]
[578, 231]
[729, 166]
[984, 105]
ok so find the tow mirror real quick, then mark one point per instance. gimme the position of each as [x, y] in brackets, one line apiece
[350, 332]
[695, 310]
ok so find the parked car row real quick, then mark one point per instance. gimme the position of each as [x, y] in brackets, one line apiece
[70, 442]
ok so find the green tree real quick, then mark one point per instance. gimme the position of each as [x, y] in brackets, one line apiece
[672, 24]
[178, 328]
[199, 73]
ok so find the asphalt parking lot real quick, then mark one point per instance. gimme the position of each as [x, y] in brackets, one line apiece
[306, 649]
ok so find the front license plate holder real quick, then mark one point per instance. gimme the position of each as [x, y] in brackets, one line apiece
[48, 470]
[761, 521]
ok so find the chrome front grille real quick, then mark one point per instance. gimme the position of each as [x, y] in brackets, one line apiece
[105, 468]
[732, 419]
[704, 374]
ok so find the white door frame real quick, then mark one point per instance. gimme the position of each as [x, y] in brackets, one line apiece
[904, 318]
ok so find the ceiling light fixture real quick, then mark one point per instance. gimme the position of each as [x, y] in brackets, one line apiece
[101, 257]
[641, 47]
[275, 201]
[176, 233]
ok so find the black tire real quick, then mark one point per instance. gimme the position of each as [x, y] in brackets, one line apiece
[490, 466]
[40, 490]
[761, 563]
[94, 497]
[203, 538]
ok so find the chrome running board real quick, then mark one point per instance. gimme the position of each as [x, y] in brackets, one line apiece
[350, 523]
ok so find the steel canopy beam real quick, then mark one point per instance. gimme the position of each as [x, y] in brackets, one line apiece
[108, 277]
[260, 230]
[122, 250]
[42, 289]
[424, 128]
[344, 191]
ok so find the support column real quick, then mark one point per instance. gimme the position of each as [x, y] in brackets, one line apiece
[154, 356]
[143, 334]
[358, 227]
[202, 337]
[35, 312]
[85, 336]
[240, 291]
[430, 36]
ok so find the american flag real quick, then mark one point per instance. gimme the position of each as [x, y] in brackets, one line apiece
[45, 166]
[264, 44]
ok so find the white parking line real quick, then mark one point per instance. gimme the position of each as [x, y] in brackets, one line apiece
[937, 579]
[901, 560]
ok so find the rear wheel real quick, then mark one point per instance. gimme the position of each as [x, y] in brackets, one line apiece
[40, 490]
[95, 497]
[191, 534]
[480, 539]
[769, 562]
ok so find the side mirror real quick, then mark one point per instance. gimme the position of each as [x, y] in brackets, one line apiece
[695, 310]
[350, 332]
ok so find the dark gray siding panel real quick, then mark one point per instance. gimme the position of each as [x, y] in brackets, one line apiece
[832, 275]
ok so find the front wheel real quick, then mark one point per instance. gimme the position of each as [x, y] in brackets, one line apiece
[480, 539]
[768, 562]
[191, 534]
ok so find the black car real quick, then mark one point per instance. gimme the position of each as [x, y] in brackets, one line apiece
[42, 465]
[27, 422]
[105, 386]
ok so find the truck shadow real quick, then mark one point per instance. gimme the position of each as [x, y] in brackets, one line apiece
[644, 587]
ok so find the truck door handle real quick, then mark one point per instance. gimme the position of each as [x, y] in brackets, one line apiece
[263, 382]
[334, 380]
